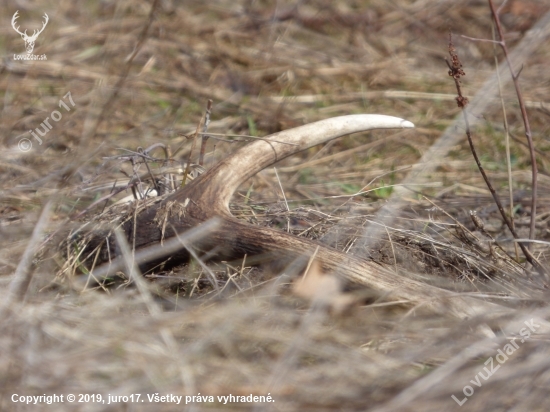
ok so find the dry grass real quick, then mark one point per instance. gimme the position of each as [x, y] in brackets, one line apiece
[269, 66]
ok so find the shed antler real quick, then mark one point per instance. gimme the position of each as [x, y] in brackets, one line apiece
[208, 196]
[29, 40]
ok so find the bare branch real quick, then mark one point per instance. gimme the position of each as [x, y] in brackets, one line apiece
[528, 135]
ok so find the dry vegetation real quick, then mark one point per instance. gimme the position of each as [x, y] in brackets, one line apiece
[238, 327]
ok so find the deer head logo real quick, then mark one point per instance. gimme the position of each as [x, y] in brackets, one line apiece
[29, 40]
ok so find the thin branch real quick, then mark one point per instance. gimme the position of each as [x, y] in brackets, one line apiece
[155, 183]
[526, 125]
[456, 72]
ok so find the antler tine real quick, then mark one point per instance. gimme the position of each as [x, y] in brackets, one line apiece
[13, 21]
[46, 22]
[35, 34]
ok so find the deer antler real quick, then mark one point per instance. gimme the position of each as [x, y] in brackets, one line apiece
[35, 33]
[47, 19]
[15, 16]
[208, 197]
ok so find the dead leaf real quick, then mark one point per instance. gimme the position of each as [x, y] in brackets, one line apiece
[323, 289]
